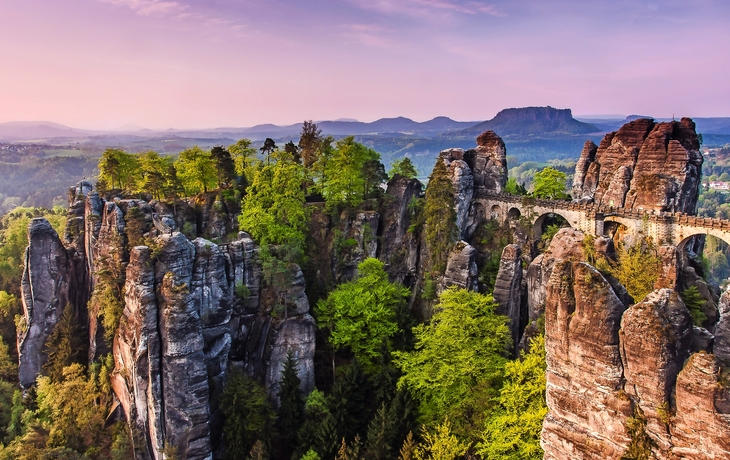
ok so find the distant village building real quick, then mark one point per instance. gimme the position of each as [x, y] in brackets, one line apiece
[720, 185]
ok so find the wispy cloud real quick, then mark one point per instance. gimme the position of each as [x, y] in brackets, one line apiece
[150, 7]
[368, 35]
[429, 9]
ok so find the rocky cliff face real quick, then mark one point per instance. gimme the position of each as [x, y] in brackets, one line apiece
[44, 289]
[192, 310]
[644, 165]
[607, 363]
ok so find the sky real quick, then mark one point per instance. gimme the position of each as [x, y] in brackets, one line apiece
[105, 64]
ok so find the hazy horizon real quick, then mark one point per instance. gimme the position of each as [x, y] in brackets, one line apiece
[159, 64]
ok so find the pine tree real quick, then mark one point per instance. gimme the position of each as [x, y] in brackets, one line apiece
[291, 409]
[225, 168]
[440, 216]
[63, 346]
[380, 436]
[328, 439]
[349, 402]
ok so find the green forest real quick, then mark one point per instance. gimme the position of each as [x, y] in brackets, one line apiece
[391, 383]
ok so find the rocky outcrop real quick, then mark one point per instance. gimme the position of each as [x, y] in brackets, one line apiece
[606, 363]
[508, 290]
[44, 294]
[475, 172]
[655, 342]
[644, 165]
[587, 406]
[565, 245]
[463, 183]
[398, 242]
[461, 268]
[488, 163]
[582, 190]
[701, 427]
[721, 345]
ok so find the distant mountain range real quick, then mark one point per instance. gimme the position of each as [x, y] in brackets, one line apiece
[514, 123]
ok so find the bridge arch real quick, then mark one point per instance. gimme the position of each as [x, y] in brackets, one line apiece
[514, 214]
[495, 212]
[546, 219]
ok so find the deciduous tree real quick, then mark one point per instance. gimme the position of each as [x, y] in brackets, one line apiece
[361, 314]
[196, 170]
[456, 367]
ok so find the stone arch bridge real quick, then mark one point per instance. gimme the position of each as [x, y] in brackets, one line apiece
[664, 228]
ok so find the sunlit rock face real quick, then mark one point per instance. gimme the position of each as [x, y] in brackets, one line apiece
[44, 294]
[644, 165]
[606, 363]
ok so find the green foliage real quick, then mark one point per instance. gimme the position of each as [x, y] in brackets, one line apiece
[456, 367]
[311, 455]
[14, 240]
[157, 175]
[348, 406]
[315, 411]
[248, 416]
[513, 188]
[550, 183]
[548, 235]
[119, 169]
[224, 166]
[637, 268]
[513, 430]
[290, 415]
[403, 167]
[67, 418]
[196, 170]
[694, 302]
[640, 447]
[362, 313]
[440, 217]
[350, 174]
[109, 307]
[244, 156]
[441, 444]
[273, 209]
[428, 292]
[241, 290]
[63, 347]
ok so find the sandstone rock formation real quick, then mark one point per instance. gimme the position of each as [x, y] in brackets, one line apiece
[44, 294]
[607, 363]
[508, 290]
[192, 310]
[461, 268]
[644, 165]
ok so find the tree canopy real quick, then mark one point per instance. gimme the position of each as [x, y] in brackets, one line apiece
[362, 313]
[347, 181]
[197, 171]
[550, 183]
[273, 209]
[456, 366]
[403, 167]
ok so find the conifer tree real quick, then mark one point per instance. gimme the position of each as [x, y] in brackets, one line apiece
[225, 168]
[63, 346]
[403, 167]
[440, 216]
[291, 409]
[348, 403]
[380, 436]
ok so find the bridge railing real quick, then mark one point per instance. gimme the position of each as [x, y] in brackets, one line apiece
[607, 211]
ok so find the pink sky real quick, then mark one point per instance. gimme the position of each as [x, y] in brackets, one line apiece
[204, 64]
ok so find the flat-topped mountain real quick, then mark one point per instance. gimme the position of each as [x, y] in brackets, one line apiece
[533, 121]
